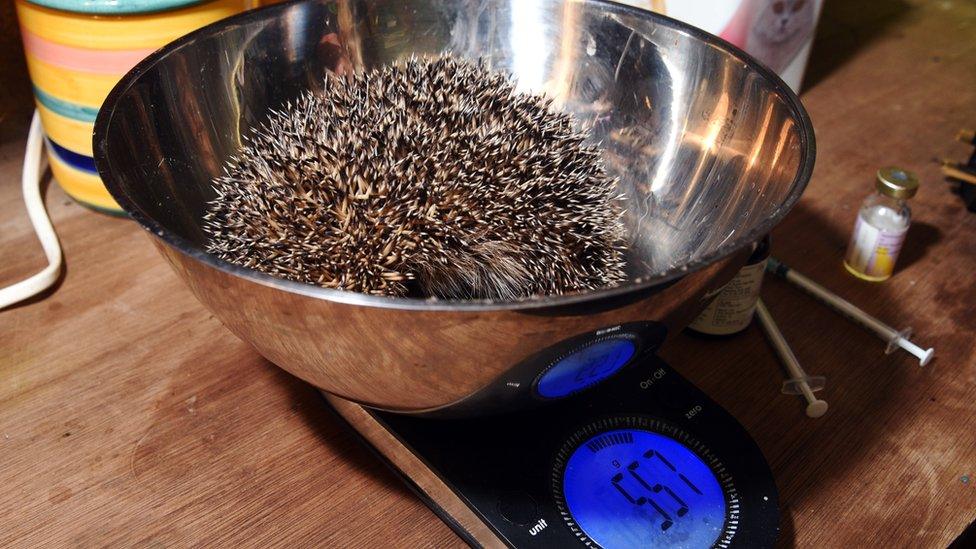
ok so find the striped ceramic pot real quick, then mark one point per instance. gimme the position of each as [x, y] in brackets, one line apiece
[77, 50]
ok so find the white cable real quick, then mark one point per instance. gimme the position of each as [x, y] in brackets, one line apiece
[33, 164]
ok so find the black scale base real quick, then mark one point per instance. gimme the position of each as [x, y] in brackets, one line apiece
[644, 459]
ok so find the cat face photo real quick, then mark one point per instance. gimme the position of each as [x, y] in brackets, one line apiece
[780, 29]
[778, 21]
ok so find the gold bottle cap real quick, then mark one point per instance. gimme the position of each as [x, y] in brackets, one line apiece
[896, 182]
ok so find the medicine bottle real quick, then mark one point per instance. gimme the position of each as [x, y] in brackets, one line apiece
[731, 311]
[882, 222]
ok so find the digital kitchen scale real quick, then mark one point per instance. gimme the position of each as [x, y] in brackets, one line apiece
[625, 453]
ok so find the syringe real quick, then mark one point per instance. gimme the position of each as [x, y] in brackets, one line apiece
[799, 383]
[889, 335]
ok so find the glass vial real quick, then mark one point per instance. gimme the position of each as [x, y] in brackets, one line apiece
[731, 310]
[881, 225]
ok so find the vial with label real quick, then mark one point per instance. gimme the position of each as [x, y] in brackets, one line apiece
[881, 225]
[731, 310]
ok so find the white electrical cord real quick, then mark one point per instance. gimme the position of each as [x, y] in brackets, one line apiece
[33, 164]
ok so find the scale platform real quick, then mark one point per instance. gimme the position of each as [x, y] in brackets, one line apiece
[644, 459]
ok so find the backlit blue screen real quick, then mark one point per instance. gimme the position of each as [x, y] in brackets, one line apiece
[586, 367]
[636, 488]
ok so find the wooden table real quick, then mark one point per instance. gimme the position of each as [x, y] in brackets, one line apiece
[130, 416]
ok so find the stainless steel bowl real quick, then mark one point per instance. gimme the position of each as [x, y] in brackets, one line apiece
[711, 149]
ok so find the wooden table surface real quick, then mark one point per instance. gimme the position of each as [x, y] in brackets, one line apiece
[130, 416]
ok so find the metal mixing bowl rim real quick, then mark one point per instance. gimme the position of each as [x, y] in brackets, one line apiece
[184, 246]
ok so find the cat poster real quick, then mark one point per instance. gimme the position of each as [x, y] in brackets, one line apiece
[778, 33]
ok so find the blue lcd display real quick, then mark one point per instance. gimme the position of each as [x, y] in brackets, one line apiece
[585, 367]
[636, 488]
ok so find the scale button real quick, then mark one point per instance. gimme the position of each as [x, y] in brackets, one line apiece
[518, 508]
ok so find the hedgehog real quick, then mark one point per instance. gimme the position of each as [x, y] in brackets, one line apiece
[429, 177]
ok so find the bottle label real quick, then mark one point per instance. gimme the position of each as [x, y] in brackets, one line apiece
[873, 251]
[732, 310]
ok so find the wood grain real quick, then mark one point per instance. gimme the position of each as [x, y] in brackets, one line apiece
[129, 416]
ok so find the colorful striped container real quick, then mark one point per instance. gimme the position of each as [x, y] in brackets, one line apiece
[77, 50]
